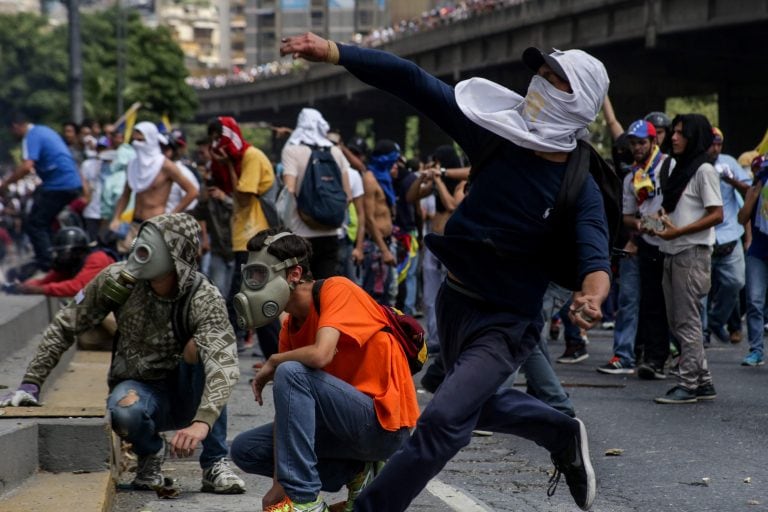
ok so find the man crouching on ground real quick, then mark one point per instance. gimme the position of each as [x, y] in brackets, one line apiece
[343, 391]
[165, 374]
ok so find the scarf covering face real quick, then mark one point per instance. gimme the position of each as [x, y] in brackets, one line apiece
[546, 119]
[381, 166]
[643, 176]
[698, 133]
[311, 129]
[233, 144]
[144, 168]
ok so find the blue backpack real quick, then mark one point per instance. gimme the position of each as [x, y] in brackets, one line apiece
[322, 202]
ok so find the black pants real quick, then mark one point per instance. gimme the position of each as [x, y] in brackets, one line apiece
[652, 342]
[37, 225]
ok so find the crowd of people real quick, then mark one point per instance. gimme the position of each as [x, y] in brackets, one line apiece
[302, 257]
[428, 20]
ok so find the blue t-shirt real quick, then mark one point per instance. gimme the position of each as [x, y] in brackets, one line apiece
[730, 229]
[53, 160]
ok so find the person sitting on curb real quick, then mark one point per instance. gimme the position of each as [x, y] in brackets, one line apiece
[163, 376]
[344, 395]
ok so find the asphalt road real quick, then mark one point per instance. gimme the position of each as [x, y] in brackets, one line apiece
[710, 456]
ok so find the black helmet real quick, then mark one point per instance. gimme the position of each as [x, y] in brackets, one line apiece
[69, 238]
[70, 248]
[659, 120]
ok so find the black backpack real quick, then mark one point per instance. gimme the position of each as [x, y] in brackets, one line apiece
[322, 201]
[561, 259]
[406, 330]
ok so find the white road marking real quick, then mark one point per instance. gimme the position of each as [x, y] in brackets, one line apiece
[454, 498]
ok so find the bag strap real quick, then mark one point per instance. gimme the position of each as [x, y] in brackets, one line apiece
[576, 172]
[316, 286]
[180, 312]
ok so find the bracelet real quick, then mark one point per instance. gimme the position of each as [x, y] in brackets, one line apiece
[333, 52]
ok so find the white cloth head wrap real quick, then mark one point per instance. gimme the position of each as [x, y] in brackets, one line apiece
[311, 129]
[144, 168]
[546, 119]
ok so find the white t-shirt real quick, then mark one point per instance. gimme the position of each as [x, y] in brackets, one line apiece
[295, 159]
[650, 206]
[91, 170]
[177, 193]
[701, 192]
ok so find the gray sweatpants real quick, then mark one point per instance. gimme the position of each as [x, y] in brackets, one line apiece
[686, 281]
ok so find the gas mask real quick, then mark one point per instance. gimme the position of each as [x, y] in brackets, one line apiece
[149, 259]
[265, 290]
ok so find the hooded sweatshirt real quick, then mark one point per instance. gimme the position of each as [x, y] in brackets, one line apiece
[146, 349]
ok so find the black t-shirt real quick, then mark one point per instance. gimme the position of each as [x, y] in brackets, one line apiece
[405, 213]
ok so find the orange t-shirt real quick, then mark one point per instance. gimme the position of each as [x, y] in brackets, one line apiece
[367, 358]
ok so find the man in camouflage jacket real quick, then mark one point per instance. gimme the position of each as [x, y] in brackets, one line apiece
[157, 382]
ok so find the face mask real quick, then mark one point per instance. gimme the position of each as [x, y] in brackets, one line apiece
[138, 145]
[265, 290]
[150, 258]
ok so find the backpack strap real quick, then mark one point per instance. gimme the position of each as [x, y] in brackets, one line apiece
[182, 331]
[316, 286]
[576, 172]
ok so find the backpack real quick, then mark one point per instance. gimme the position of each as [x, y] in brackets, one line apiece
[406, 330]
[562, 260]
[321, 201]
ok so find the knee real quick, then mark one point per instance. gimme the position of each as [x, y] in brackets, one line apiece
[287, 373]
[253, 453]
[445, 427]
[125, 414]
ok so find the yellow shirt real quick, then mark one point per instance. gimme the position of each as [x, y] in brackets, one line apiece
[256, 178]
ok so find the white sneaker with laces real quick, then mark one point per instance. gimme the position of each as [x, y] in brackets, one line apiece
[220, 479]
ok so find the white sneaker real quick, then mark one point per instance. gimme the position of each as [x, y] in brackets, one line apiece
[220, 479]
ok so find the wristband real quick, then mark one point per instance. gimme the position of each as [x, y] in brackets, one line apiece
[333, 53]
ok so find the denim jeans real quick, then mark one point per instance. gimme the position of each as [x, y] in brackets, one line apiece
[625, 330]
[163, 405]
[434, 274]
[220, 272]
[728, 277]
[481, 345]
[37, 225]
[757, 285]
[324, 430]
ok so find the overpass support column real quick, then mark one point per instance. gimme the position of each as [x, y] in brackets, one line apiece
[743, 113]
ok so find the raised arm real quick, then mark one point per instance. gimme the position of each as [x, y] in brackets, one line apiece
[402, 78]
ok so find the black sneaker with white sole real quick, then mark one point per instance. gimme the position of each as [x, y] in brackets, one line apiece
[573, 354]
[575, 465]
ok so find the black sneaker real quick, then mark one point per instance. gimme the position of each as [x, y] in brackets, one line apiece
[573, 354]
[678, 395]
[706, 392]
[574, 463]
[648, 371]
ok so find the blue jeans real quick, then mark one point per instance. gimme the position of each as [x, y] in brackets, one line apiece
[481, 346]
[324, 430]
[46, 206]
[757, 285]
[625, 330]
[728, 277]
[163, 405]
[220, 271]
[434, 274]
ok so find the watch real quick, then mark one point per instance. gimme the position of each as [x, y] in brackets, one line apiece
[442, 172]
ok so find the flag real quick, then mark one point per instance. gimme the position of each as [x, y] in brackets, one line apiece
[762, 148]
[130, 120]
[165, 124]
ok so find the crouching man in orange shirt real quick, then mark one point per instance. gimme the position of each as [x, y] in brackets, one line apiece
[344, 395]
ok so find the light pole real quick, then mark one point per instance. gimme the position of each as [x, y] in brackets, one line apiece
[120, 46]
[75, 62]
